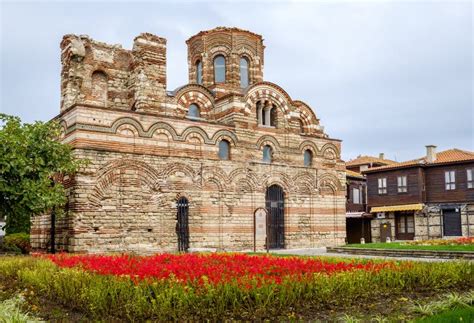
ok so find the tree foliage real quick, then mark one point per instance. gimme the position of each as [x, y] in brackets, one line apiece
[30, 157]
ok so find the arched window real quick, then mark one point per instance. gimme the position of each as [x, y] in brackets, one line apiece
[219, 69]
[193, 111]
[224, 150]
[244, 72]
[267, 154]
[199, 72]
[308, 157]
[301, 126]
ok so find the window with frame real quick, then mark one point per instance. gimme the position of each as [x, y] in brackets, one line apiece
[382, 185]
[219, 69]
[244, 72]
[470, 178]
[224, 150]
[450, 180]
[402, 184]
[267, 154]
[308, 158]
[193, 111]
[199, 72]
[356, 195]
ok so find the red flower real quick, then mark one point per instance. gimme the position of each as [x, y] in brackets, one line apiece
[211, 269]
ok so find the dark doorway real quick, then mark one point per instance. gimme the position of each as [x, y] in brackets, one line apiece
[385, 231]
[404, 225]
[182, 227]
[452, 222]
[275, 203]
[357, 228]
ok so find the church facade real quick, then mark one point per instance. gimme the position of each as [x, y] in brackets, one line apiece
[186, 169]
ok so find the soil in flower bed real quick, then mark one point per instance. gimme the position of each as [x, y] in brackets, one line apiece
[224, 286]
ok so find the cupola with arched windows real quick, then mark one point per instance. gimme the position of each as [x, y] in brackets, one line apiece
[227, 58]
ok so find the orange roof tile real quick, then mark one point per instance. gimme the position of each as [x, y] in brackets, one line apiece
[443, 157]
[362, 160]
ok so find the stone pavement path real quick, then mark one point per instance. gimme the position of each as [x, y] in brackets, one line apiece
[322, 252]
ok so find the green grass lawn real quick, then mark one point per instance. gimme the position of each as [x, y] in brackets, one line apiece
[454, 315]
[401, 245]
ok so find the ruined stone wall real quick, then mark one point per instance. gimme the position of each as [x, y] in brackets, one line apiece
[98, 74]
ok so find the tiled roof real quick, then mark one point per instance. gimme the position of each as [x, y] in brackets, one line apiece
[362, 160]
[443, 157]
[354, 174]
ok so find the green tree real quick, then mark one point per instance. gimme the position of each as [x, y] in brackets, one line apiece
[30, 157]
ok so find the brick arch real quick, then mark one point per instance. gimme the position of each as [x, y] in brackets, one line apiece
[245, 49]
[195, 95]
[129, 121]
[280, 179]
[196, 131]
[216, 176]
[163, 127]
[263, 92]
[309, 145]
[329, 181]
[107, 175]
[173, 168]
[328, 147]
[269, 86]
[224, 134]
[219, 48]
[306, 182]
[268, 140]
[307, 116]
[243, 175]
[126, 126]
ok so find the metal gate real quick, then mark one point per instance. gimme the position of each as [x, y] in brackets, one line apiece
[452, 222]
[275, 203]
[182, 228]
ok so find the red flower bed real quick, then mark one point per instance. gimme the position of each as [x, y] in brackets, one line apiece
[465, 240]
[211, 268]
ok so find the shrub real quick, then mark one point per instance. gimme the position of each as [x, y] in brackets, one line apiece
[17, 242]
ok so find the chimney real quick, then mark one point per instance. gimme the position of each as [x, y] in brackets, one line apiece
[381, 155]
[430, 153]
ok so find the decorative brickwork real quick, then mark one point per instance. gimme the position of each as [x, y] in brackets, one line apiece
[147, 151]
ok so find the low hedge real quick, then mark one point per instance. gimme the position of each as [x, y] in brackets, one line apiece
[17, 242]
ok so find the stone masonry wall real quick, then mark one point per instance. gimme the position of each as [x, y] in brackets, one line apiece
[146, 152]
[429, 227]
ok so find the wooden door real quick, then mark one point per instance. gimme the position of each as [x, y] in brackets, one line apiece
[385, 231]
[452, 222]
[404, 225]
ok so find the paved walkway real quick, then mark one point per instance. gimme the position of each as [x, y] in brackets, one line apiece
[322, 252]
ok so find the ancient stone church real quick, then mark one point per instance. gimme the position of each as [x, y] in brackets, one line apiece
[186, 169]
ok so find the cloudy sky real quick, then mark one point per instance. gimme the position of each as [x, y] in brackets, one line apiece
[382, 76]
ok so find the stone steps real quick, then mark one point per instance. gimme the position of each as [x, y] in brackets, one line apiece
[404, 253]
